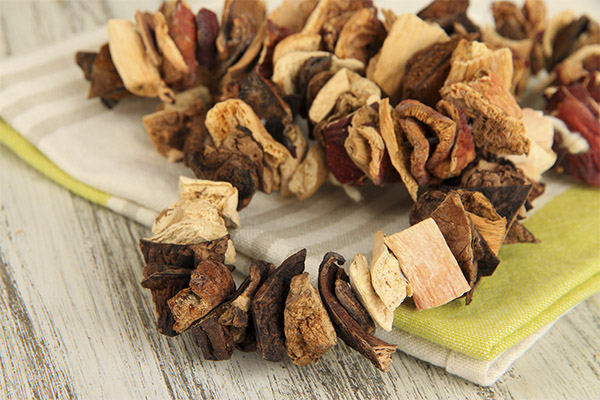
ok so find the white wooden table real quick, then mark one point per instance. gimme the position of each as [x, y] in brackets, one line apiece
[75, 323]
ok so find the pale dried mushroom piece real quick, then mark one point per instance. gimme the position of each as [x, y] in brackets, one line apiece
[192, 231]
[387, 68]
[285, 70]
[469, 58]
[374, 349]
[144, 22]
[128, 54]
[289, 167]
[573, 68]
[428, 264]
[222, 195]
[387, 280]
[310, 174]
[488, 222]
[296, 42]
[227, 115]
[394, 143]
[360, 280]
[327, 9]
[540, 132]
[342, 82]
[361, 37]
[331, 30]
[493, 130]
[292, 14]
[309, 333]
[246, 61]
[185, 210]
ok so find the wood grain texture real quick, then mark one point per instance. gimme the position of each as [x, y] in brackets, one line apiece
[75, 323]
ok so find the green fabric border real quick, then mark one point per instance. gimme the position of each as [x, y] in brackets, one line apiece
[534, 284]
[32, 156]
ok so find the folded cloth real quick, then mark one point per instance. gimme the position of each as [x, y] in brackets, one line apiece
[106, 157]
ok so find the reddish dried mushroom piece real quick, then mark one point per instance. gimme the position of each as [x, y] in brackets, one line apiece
[348, 329]
[268, 307]
[207, 29]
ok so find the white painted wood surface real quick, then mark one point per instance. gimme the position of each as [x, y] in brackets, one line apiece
[75, 323]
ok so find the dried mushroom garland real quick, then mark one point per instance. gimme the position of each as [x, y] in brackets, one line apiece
[443, 117]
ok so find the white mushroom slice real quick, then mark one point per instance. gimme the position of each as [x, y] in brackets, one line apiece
[222, 195]
[136, 70]
[196, 209]
[360, 280]
[469, 58]
[230, 253]
[289, 166]
[327, 9]
[190, 231]
[292, 14]
[297, 42]
[343, 81]
[286, 68]
[310, 174]
[227, 115]
[428, 264]
[387, 279]
[409, 34]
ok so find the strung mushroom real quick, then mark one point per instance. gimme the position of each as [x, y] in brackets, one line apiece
[361, 37]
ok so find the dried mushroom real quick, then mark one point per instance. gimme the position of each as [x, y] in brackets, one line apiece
[338, 161]
[292, 14]
[348, 300]
[331, 29]
[310, 174]
[386, 277]
[273, 36]
[229, 114]
[488, 103]
[327, 9]
[268, 307]
[463, 150]
[394, 143]
[388, 67]
[344, 81]
[185, 256]
[296, 42]
[184, 210]
[361, 281]
[285, 70]
[105, 81]
[144, 22]
[207, 30]
[361, 37]
[210, 284]
[170, 125]
[221, 195]
[374, 349]
[240, 22]
[451, 15]
[428, 264]
[128, 54]
[182, 28]
[309, 332]
[174, 67]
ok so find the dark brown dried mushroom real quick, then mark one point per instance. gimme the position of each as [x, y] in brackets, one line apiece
[376, 350]
[184, 256]
[309, 332]
[451, 15]
[104, 79]
[207, 30]
[347, 298]
[210, 284]
[268, 306]
[273, 36]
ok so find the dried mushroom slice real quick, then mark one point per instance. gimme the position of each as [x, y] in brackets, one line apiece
[174, 67]
[144, 22]
[348, 300]
[229, 114]
[338, 161]
[443, 127]
[394, 143]
[342, 82]
[185, 256]
[485, 218]
[192, 230]
[309, 333]
[184, 210]
[215, 340]
[327, 9]
[207, 30]
[493, 130]
[555, 24]
[388, 67]
[463, 150]
[298, 146]
[292, 14]
[296, 42]
[428, 264]
[441, 8]
[386, 277]
[104, 79]
[182, 28]
[210, 284]
[240, 22]
[274, 34]
[285, 70]
[222, 195]
[361, 37]
[331, 29]
[128, 54]
[360, 279]
[310, 174]
[469, 58]
[268, 307]
[374, 349]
